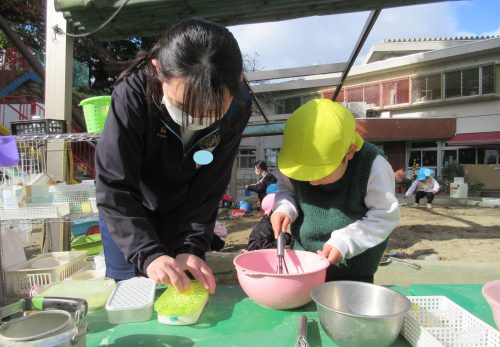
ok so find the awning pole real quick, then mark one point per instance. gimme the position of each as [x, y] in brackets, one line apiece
[370, 22]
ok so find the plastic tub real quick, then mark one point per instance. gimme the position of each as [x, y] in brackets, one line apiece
[245, 205]
[92, 244]
[238, 213]
[131, 301]
[184, 308]
[95, 110]
[95, 291]
[257, 276]
[9, 155]
[491, 292]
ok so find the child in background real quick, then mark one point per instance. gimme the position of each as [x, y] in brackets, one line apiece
[262, 235]
[219, 237]
[425, 186]
[336, 191]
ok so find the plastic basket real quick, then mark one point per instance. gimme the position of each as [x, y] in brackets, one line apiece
[77, 195]
[42, 270]
[95, 111]
[92, 244]
[36, 211]
[38, 127]
[438, 321]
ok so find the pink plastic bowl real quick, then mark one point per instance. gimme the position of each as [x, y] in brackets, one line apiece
[491, 292]
[258, 278]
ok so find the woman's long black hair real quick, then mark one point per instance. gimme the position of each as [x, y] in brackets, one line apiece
[205, 55]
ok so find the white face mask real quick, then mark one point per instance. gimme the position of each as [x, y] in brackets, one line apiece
[192, 123]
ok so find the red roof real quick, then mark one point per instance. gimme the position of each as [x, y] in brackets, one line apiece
[487, 138]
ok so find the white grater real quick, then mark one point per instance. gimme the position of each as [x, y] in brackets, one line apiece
[131, 301]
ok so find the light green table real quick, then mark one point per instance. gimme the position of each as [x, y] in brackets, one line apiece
[232, 319]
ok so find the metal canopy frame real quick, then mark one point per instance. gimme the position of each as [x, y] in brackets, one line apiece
[337, 82]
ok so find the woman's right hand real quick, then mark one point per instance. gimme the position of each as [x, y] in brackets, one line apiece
[166, 270]
[280, 223]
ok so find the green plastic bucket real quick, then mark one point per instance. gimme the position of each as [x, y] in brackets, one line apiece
[95, 110]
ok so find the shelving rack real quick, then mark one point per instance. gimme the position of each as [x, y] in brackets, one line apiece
[33, 161]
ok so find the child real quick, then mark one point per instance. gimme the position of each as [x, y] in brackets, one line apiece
[335, 190]
[262, 235]
[425, 186]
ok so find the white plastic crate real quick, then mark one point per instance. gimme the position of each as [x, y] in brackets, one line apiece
[77, 195]
[42, 270]
[131, 301]
[438, 321]
[38, 211]
[93, 205]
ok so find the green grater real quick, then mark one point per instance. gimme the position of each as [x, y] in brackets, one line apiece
[176, 308]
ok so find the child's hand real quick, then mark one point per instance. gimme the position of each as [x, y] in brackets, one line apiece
[280, 223]
[331, 253]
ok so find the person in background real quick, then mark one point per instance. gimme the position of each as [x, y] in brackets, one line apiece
[267, 178]
[336, 191]
[219, 237]
[164, 160]
[424, 186]
[262, 235]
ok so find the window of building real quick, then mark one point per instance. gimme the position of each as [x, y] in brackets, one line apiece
[423, 144]
[467, 156]
[470, 81]
[246, 158]
[488, 155]
[288, 105]
[449, 156]
[429, 158]
[271, 156]
[488, 80]
[426, 88]
[422, 153]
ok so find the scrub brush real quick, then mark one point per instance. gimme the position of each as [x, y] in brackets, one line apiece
[181, 308]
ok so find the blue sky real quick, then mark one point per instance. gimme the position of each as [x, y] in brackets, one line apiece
[330, 39]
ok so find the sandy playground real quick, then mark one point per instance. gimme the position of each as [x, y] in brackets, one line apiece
[453, 233]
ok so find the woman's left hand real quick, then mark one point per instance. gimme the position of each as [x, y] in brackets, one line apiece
[331, 253]
[199, 269]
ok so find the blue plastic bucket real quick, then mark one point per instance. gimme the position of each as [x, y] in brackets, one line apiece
[245, 205]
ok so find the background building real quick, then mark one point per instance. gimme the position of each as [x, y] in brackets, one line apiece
[426, 102]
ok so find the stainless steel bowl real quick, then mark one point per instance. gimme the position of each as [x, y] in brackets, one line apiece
[360, 314]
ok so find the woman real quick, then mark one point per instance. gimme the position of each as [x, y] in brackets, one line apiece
[165, 156]
[267, 178]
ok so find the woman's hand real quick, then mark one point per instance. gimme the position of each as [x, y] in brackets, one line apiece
[280, 223]
[246, 186]
[170, 271]
[199, 269]
[166, 270]
[331, 253]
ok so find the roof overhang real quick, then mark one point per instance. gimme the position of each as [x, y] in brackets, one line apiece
[485, 138]
[152, 17]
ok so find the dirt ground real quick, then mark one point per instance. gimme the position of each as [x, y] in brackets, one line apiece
[467, 234]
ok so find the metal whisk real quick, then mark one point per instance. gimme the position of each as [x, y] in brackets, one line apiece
[281, 254]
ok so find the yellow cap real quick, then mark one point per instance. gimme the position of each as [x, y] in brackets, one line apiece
[316, 138]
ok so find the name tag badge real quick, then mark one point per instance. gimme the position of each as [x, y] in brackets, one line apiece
[203, 157]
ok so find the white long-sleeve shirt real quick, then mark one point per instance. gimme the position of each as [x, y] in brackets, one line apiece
[380, 220]
[426, 187]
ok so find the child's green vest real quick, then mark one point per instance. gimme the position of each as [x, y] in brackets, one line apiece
[323, 209]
